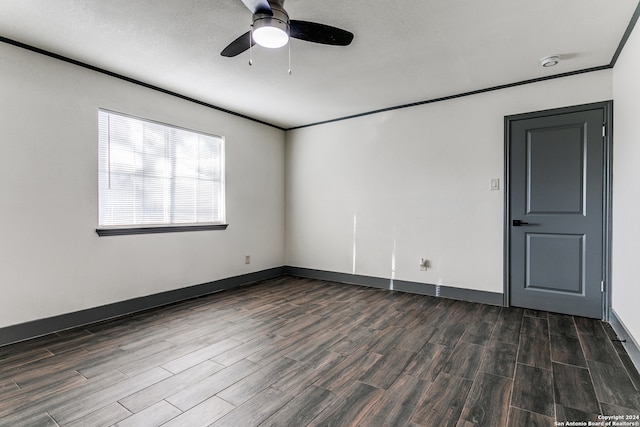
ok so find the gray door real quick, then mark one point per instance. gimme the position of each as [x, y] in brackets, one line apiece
[556, 183]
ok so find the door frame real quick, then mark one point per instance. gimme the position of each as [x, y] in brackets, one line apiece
[607, 109]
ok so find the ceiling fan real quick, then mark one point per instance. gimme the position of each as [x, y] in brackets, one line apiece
[272, 28]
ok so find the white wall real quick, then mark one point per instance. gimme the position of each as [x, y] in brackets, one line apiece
[371, 195]
[626, 176]
[51, 260]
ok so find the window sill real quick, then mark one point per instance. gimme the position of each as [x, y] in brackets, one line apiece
[162, 229]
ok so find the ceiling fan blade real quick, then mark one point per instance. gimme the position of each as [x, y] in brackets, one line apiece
[258, 6]
[239, 45]
[319, 33]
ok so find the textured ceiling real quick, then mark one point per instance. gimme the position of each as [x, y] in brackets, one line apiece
[403, 52]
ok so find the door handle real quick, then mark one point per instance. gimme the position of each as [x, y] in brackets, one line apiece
[518, 223]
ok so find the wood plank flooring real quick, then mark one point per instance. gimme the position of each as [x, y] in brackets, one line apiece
[298, 352]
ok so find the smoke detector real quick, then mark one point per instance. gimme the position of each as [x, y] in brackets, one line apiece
[550, 61]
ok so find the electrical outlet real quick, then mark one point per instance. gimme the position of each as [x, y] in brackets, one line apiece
[247, 259]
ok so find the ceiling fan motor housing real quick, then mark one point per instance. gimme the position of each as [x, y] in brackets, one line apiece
[279, 19]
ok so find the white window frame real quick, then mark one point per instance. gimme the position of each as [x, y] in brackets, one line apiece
[167, 212]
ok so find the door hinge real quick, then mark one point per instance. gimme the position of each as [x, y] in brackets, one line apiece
[604, 130]
[602, 286]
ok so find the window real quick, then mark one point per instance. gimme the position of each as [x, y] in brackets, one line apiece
[155, 177]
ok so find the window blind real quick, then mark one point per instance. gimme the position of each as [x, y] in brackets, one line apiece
[155, 174]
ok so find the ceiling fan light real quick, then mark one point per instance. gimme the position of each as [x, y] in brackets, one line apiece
[270, 36]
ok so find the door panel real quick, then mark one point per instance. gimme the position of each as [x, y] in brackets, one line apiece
[556, 184]
[563, 259]
[555, 155]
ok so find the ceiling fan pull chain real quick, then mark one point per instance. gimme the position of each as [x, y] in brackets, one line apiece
[250, 43]
[289, 56]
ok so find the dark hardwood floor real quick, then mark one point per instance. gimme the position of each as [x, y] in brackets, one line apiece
[296, 352]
